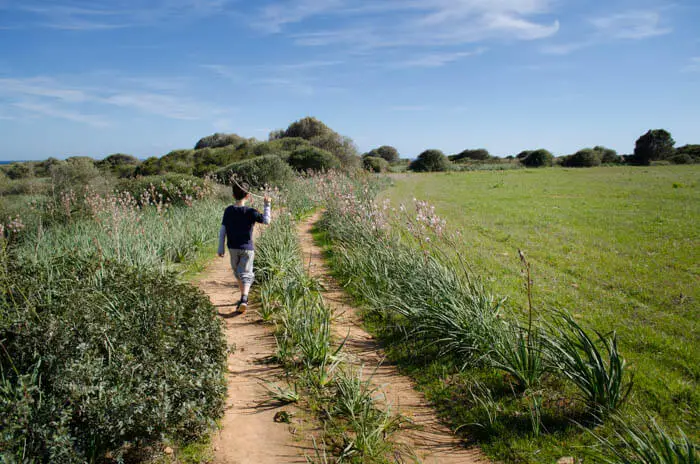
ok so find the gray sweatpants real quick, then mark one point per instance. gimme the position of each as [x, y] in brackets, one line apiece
[242, 265]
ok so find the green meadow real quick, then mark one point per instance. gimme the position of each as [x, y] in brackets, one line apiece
[618, 247]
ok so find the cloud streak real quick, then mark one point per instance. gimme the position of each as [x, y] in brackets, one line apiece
[394, 23]
[628, 25]
[43, 96]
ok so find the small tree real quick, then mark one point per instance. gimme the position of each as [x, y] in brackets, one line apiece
[375, 164]
[691, 150]
[219, 140]
[313, 159]
[538, 158]
[654, 145]
[586, 158]
[607, 155]
[523, 154]
[389, 153]
[430, 161]
[20, 171]
[480, 154]
[74, 174]
[257, 172]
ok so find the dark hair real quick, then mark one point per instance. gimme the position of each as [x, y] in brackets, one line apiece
[239, 193]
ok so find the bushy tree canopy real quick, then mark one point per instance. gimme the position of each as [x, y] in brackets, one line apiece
[219, 140]
[257, 172]
[538, 158]
[607, 155]
[690, 150]
[480, 154]
[321, 136]
[375, 164]
[313, 159]
[430, 161]
[119, 159]
[654, 145]
[586, 158]
[20, 171]
[389, 153]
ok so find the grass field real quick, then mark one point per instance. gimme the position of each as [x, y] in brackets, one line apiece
[618, 247]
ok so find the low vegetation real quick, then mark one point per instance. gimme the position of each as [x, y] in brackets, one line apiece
[518, 385]
[356, 428]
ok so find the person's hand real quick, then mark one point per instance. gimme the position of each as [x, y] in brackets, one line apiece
[267, 200]
[221, 255]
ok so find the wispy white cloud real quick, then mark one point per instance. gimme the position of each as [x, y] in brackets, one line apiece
[628, 25]
[412, 22]
[51, 110]
[41, 87]
[86, 15]
[51, 97]
[638, 24]
[436, 60]
[295, 78]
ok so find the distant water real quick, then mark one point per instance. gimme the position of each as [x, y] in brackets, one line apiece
[6, 162]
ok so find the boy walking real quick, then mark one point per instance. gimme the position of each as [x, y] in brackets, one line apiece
[237, 229]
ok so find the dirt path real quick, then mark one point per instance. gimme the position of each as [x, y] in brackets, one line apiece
[249, 433]
[432, 441]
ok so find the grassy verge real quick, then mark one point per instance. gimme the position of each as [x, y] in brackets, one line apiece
[525, 392]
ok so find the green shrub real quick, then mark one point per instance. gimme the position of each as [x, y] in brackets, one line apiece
[585, 158]
[682, 158]
[75, 174]
[430, 161]
[692, 150]
[313, 159]
[219, 140]
[97, 354]
[607, 155]
[20, 171]
[174, 189]
[655, 145]
[210, 160]
[321, 136]
[280, 147]
[375, 164]
[538, 158]
[480, 154]
[258, 172]
[389, 153]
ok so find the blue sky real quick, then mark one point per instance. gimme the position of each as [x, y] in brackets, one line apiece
[81, 77]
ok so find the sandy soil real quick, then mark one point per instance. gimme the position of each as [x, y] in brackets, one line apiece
[248, 432]
[432, 441]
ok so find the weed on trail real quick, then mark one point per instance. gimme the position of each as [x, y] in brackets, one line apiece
[357, 425]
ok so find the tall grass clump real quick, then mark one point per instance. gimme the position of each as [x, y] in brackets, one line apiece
[650, 444]
[594, 365]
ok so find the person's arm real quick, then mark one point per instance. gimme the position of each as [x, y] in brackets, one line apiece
[267, 211]
[222, 239]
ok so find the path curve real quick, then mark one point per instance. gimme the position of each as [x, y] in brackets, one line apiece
[431, 440]
[248, 432]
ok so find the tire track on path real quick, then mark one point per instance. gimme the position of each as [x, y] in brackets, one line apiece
[432, 441]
